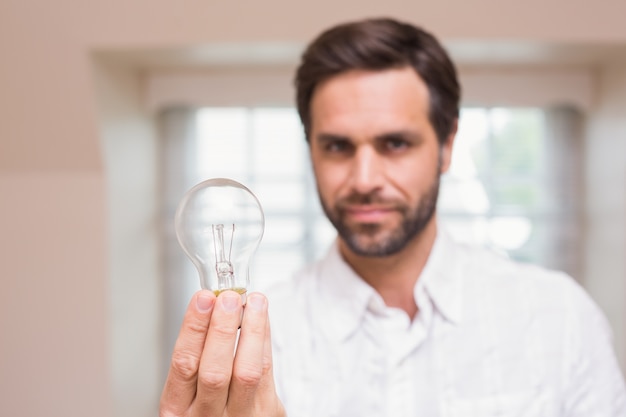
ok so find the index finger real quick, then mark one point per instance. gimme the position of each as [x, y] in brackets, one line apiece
[180, 386]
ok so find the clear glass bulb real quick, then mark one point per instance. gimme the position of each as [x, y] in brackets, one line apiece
[219, 224]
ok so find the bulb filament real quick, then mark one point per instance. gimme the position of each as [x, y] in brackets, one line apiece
[223, 267]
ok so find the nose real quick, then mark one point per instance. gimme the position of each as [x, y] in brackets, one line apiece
[367, 170]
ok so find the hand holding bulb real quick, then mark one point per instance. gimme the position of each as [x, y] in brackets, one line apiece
[219, 224]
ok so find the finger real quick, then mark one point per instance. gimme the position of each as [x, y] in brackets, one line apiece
[248, 364]
[267, 401]
[216, 363]
[267, 383]
[180, 386]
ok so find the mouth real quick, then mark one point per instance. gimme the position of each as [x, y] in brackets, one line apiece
[367, 213]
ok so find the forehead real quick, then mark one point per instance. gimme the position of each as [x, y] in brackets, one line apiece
[377, 100]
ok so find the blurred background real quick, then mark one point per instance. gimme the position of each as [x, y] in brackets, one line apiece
[110, 111]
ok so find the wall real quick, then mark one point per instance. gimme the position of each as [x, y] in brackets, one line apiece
[63, 291]
[53, 350]
[605, 243]
[130, 153]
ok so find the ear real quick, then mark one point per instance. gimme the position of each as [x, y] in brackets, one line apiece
[446, 148]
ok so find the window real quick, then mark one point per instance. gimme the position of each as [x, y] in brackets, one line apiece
[493, 194]
[264, 149]
[514, 184]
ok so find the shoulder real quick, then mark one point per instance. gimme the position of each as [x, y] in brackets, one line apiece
[516, 289]
[486, 268]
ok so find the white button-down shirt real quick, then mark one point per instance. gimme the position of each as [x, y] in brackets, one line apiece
[491, 338]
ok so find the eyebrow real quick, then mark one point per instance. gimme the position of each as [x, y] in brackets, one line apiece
[400, 134]
[330, 137]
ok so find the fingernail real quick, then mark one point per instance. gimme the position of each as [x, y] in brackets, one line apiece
[256, 302]
[230, 300]
[205, 302]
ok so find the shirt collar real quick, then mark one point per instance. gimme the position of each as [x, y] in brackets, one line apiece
[442, 277]
[345, 297]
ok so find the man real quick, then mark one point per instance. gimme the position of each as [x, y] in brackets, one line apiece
[396, 320]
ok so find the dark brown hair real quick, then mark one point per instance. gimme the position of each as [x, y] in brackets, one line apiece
[380, 44]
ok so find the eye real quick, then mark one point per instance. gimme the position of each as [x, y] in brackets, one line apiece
[338, 146]
[395, 144]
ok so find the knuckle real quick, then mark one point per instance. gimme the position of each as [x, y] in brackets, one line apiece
[248, 376]
[255, 330]
[224, 331]
[197, 326]
[267, 367]
[214, 380]
[185, 365]
[164, 411]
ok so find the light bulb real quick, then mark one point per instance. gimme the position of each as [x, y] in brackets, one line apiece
[219, 224]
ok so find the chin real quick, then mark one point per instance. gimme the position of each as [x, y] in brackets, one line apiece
[373, 246]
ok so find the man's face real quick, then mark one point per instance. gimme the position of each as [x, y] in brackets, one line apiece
[376, 158]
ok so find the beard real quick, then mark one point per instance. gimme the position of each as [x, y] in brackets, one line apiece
[371, 239]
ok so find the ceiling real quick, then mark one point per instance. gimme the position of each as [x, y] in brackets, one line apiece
[464, 53]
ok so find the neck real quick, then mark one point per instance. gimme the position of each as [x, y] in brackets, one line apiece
[394, 276]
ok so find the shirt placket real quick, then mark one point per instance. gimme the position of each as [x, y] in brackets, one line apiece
[403, 339]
